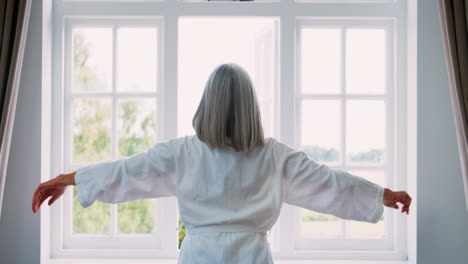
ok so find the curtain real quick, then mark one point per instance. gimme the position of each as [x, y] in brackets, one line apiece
[14, 18]
[454, 22]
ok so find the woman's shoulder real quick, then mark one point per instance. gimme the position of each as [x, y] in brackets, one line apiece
[187, 142]
[282, 150]
[278, 144]
[270, 141]
[175, 143]
[191, 141]
[183, 140]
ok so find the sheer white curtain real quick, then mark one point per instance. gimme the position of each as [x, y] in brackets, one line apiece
[454, 22]
[14, 18]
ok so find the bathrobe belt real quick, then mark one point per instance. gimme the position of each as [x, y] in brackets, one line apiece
[224, 228]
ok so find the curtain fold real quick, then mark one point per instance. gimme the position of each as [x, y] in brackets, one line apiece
[14, 18]
[454, 22]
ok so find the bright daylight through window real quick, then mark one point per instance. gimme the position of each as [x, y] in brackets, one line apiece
[107, 125]
[325, 77]
[335, 129]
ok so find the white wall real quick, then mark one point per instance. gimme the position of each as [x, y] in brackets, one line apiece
[442, 216]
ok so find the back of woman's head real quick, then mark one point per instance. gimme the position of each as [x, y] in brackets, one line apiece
[228, 114]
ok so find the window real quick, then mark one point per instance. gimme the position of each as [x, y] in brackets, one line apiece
[344, 106]
[112, 82]
[329, 79]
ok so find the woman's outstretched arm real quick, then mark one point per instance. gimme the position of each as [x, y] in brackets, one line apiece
[317, 187]
[67, 179]
[150, 174]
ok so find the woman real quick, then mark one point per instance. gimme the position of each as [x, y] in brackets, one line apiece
[230, 181]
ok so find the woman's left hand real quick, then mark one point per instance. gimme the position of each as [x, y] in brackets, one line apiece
[53, 188]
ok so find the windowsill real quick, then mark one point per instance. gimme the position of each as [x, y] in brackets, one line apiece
[342, 262]
[174, 261]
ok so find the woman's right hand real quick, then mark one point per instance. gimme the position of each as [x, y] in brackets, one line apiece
[53, 188]
[390, 199]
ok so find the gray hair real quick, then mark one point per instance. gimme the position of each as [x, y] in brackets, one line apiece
[228, 114]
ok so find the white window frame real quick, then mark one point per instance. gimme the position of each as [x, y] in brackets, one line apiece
[285, 242]
[102, 241]
[341, 243]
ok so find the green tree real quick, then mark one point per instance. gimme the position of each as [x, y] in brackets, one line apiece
[85, 76]
[92, 220]
[136, 216]
[91, 129]
[182, 233]
[331, 154]
[373, 155]
[91, 138]
[92, 143]
[321, 154]
[129, 142]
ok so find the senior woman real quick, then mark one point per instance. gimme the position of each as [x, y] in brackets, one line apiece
[230, 181]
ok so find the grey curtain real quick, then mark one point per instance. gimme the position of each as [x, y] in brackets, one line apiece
[454, 22]
[14, 18]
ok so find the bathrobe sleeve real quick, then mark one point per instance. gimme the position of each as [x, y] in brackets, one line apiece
[325, 190]
[150, 174]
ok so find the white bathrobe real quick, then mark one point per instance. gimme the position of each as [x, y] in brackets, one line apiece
[229, 200]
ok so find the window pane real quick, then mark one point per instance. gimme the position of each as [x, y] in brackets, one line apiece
[365, 61]
[136, 125]
[321, 140]
[317, 224]
[365, 131]
[92, 220]
[321, 60]
[136, 217]
[92, 59]
[205, 43]
[91, 130]
[321, 130]
[364, 229]
[137, 59]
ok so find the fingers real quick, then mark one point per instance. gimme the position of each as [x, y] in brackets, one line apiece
[392, 202]
[44, 191]
[34, 200]
[52, 200]
[405, 200]
[36, 197]
[40, 195]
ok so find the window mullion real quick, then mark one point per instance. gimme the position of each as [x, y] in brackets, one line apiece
[167, 221]
[343, 113]
[170, 75]
[114, 211]
[343, 100]
[67, 212]
[288, 129]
